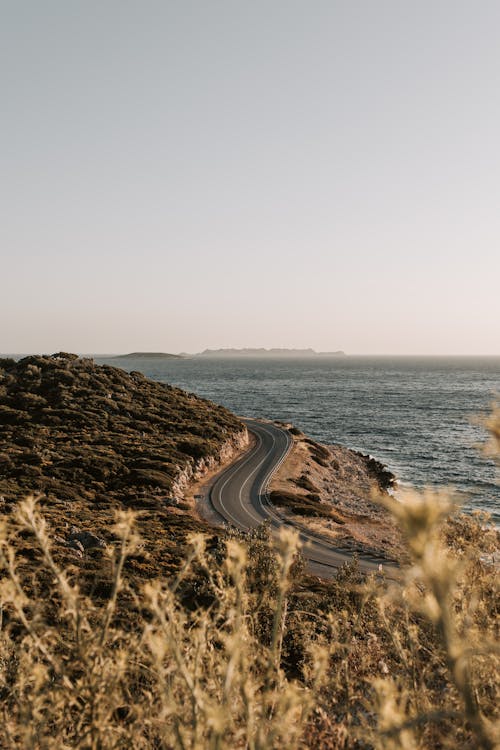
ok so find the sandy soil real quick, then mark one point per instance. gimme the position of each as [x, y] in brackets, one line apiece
[344, 483]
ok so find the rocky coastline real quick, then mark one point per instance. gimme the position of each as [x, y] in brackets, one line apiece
[336, 492]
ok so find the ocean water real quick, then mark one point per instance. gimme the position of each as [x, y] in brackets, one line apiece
[413, 414]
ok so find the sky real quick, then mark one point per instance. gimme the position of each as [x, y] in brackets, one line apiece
[192, 174]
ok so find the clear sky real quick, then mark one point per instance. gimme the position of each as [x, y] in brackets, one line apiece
[182, 175]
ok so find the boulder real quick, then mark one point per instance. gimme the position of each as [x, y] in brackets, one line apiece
[76, 545]
[86, 539]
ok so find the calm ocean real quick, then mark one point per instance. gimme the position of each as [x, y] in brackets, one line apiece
[413, 414]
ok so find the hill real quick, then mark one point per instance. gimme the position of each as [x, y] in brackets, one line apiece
[90, 439]
[148, 355]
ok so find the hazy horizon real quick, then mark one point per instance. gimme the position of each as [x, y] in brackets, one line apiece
[182, 176]
[350, 355]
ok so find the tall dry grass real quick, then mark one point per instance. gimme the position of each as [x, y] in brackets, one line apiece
[242, 651]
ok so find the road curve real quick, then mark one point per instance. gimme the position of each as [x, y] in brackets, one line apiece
[239, 496]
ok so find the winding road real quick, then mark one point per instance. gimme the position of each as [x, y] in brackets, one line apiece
[239, 496]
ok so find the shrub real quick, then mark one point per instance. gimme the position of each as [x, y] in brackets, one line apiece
[238, 649]
[304, 505]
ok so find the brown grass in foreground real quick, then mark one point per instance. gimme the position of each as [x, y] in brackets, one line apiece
[241, 650]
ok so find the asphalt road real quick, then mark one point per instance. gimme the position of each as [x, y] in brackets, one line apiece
[239, 496]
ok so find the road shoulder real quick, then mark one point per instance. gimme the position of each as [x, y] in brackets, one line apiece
[198, 493]
[328, 490]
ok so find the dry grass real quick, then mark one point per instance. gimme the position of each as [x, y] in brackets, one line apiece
[239, 649]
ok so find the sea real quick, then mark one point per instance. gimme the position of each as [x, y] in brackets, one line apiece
[420, 416]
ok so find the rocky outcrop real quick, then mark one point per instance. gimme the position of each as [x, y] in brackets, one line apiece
[201, 467]
[385, 479]
[85, 540]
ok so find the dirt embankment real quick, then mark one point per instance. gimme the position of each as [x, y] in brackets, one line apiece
[330, 490]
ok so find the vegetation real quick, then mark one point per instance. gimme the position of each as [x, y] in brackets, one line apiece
[72, 429]
[304, 505]
[238, 648]
[92, 440]
[241, 650]
[305, 483]
[319, 453]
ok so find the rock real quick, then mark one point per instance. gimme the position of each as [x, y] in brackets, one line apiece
[76, 545]
[170, 500]
[86, 539]
[383, 667]
[65, 355]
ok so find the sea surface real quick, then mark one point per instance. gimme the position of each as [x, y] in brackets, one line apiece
[416, 415]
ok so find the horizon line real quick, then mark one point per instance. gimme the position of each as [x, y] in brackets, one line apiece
[194, 354]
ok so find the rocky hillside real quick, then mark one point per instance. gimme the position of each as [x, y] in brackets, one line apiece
[89, 439]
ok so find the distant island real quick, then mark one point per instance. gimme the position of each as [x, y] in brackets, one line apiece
[148, 355]
[228, 353]
[262, 352]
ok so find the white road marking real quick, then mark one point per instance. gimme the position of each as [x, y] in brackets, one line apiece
[232, 473]
[319, 547]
